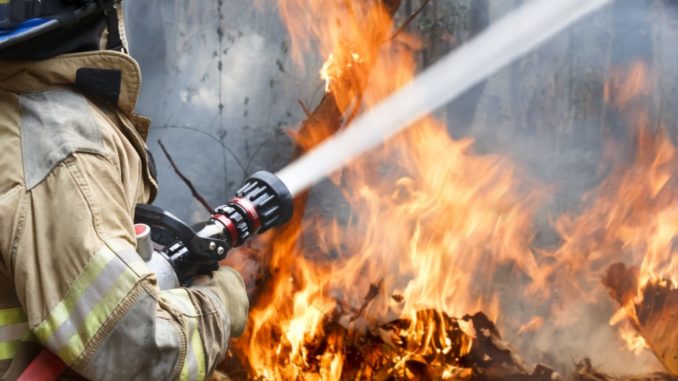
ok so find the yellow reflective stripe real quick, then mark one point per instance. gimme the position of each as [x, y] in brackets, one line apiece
[96, 318]
[4, 1]
[184, 371]
[196, 343]
[8, 349]
[95, 294]
[194, 364]
[61, 312]
[13, 331]
[12, 316]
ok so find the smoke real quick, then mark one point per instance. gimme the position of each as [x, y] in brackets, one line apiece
[221, 89]
[547, 113]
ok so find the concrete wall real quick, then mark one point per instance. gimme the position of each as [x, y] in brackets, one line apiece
[221, 90]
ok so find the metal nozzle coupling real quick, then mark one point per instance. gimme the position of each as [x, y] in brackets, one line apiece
[260, 204]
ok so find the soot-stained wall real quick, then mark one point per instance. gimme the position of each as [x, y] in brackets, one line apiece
[221, 90]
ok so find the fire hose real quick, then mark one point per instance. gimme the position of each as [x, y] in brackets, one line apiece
[261, 203]
[183, 252]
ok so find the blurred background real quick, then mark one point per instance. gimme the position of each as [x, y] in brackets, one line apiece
[223, 92]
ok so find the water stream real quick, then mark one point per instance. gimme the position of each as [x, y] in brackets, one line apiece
[503, 42]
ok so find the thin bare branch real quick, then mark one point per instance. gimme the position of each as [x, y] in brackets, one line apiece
[409, 20]
[303, 107]
[186, 180]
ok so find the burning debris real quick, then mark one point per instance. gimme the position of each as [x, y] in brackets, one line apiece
[652, 311]
[433, 347]
[438, 225]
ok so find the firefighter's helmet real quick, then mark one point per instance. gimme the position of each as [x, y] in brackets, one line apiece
[25, 20]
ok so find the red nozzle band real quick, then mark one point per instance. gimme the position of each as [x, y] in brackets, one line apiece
[230, 227]
[251, 210]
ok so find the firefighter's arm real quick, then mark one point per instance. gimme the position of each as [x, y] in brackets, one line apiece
[90, 298]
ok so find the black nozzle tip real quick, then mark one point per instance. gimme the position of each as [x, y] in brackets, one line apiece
[265, 202]
[285, 200]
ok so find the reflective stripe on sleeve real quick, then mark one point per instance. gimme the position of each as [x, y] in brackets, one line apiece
[194, 365]
[10, 316]
[128, 254]
[8, 349]
[13, 330]
[91, 298]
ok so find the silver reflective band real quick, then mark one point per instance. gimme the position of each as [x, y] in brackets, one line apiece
[91, 298]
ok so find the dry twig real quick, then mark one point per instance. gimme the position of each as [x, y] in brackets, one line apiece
[186, 180]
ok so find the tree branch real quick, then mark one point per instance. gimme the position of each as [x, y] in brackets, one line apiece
[186, 180]
[409, 20]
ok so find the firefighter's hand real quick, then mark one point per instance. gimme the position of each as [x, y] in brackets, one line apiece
[228, 286]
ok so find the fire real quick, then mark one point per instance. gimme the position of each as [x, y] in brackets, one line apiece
[425, 233]
[632, 339]
[332, 69]
[429, 224]
[631, 218]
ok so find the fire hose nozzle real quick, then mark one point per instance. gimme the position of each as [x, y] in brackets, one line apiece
[260, 204]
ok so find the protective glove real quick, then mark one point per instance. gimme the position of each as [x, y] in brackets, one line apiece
[229, 287]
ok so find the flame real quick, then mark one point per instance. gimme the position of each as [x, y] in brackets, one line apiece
[631, 217]
[332, 70]
[632, 339]
[533, 325]
[429, 223]
[426, 233]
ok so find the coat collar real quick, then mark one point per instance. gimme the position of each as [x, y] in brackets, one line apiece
[29, 76]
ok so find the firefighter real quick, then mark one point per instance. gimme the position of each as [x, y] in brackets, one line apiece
[73, 165]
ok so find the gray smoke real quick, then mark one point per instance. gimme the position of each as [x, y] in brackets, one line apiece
[221, 89]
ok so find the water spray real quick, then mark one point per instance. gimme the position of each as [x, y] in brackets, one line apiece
[265, 200]
[500, 44]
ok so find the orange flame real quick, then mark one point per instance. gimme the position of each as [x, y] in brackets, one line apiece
[424, 227]
[428, 223]
[632, 339]
[632, 216]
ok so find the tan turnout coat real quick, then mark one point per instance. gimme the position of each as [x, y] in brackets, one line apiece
[73, 166]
